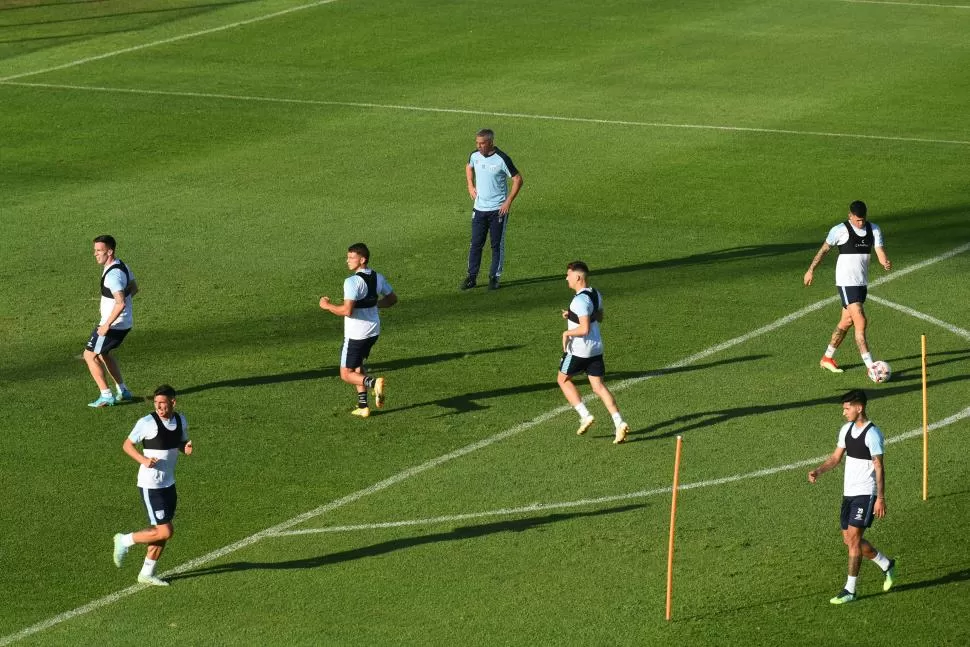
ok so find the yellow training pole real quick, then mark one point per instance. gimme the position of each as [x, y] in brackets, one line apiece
[673, 518]
[926, 429]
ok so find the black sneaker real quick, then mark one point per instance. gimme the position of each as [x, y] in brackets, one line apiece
[493, 283]
[468, 283]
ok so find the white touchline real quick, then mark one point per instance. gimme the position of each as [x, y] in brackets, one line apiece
[909, 4]
[582, 503]
[484, 113]
[922, 315]
[435, 462]
[164, 41]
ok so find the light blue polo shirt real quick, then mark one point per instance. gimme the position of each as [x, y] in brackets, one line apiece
[491, 178]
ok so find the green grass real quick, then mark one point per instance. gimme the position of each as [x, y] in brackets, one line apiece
[235, 167]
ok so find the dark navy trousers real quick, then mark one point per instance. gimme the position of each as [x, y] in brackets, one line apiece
[491, 224]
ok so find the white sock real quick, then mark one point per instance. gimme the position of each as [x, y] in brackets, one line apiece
[106, 393]
[830, 351]
[617, 419]
[128, 540]
[881, 561]
[148, 568]
[867, 358]
[850, 583]
[582, 410]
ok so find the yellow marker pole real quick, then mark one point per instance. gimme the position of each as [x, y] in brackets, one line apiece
[926, 429]
[673, 518]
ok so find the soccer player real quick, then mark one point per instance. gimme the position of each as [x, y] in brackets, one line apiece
[117, 285]
[364, 292]
[487, 173]
[856, 239]
[163, 434]
[864, 490]
[582, 349]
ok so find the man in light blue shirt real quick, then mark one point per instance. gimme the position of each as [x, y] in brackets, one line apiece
[488, 172]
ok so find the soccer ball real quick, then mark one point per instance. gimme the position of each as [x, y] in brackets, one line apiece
[880, 372]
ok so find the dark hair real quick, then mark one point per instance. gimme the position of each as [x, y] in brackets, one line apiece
[361, 250]
[487, 133]
[858, 208]
[109, 241]
[578, 266]
[166, 390]
[856, 396]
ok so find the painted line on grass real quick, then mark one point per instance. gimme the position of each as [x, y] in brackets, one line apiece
[956, 330]
[909, 4]
[483, 113]
[435, 462]
[165, 41]
[582, 503]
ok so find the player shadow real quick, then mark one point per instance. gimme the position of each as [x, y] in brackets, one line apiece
[468, 402]
[961, 575]
[712, 418]
[315, 374]
[124, 14]
[87, 34]
[915, 372]
[383, 548]
[706, 258]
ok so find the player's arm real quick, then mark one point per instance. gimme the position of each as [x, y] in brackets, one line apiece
[516, 187]
[883, 259]
[829, 463]
[119, 306]
[343, 310]
[470, 179]
[880, 508]
[133, 285]
[810, 274]
[387, 300]
[579, 331]
[137, 456]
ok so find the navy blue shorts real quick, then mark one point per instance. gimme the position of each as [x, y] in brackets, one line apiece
[160, 504]
[355, 351]
[852, 294]
[571, 365]
[103, 345]
[857, 511]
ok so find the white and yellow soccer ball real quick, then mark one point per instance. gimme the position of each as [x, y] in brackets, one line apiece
[880, 372]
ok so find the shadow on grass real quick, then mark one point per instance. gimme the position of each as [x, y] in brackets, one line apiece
[125, 14]
[315, 374]
[719, 256]
[706, 419]
[961, 575]
[468, 402]
[385, 547]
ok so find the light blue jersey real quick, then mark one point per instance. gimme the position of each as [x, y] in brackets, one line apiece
[491, 178]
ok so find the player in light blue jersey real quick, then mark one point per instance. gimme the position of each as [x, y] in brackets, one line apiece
[488, 172]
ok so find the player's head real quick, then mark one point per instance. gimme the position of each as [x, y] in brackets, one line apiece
[854, 404]
[357, 256]
[164, 400]
[858, 209]
[576, 273]
[485, 140]
[104, 249]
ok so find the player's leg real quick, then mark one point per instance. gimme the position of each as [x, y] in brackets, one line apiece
[111, 364]
[858, 314]
[478, 235]
[160, 505]
[838, 336]
[596, 370]
[497, 228]
[569, 366]
[885, 564]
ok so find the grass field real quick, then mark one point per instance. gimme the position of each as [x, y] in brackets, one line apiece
[693, 154]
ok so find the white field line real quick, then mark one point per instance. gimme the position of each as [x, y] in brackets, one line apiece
[909, 4]
[582, 503]
[435, 462]
[164, 41]
[925, 317]
[484, 113]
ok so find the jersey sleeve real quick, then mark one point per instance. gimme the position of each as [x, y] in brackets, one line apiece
[582, 305]
[874, 441]
[877, 236]
[508, 164]
[841, 440]
[383, 287]
[354, 288]
[837, 235]
[185, 428]
[144, 428]
[115, 279]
